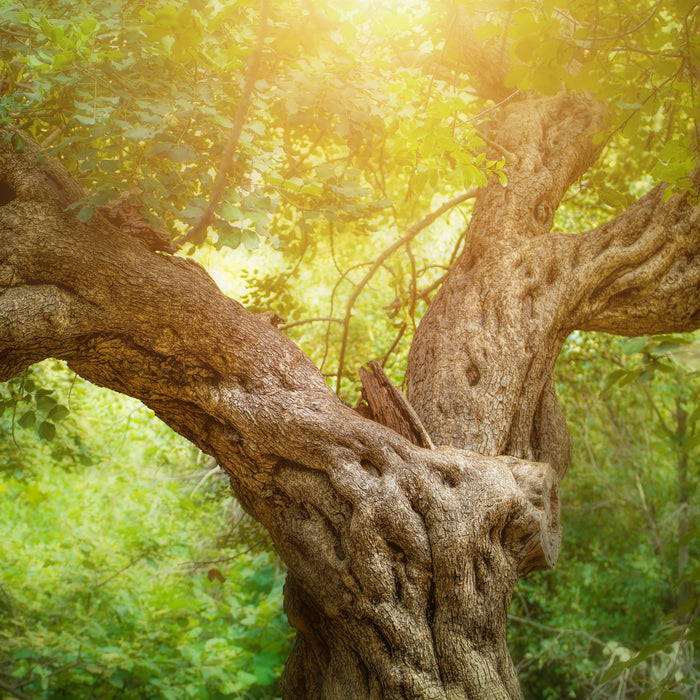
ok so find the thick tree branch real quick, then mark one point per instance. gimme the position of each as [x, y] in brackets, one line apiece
[516, 302]
[499, 306]
[640, 272]
[517, 290]
[550, 145]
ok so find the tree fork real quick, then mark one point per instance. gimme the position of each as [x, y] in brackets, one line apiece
[480, 370]
[402, 559]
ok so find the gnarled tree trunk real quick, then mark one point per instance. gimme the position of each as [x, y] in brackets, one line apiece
[402, 559]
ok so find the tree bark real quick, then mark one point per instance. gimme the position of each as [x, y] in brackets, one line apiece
[402, 559]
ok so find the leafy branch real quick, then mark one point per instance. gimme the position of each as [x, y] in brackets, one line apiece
[198, 233]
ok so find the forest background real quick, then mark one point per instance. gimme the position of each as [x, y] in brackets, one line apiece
[128, 568]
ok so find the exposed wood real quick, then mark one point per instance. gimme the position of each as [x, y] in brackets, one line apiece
[386, 404]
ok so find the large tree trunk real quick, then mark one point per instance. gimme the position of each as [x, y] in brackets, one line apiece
[402, 559]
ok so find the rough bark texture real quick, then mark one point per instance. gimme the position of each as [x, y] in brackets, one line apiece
[402, 559]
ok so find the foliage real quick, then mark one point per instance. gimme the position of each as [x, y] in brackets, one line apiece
[362, 120]
[623, 608]
[128, 573]
[26, 407]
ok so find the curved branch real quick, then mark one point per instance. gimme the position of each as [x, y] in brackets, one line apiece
[640, 273]
[383, 256]
[325, 319]
[499, 305]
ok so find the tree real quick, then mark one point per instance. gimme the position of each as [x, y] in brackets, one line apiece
[402, 556]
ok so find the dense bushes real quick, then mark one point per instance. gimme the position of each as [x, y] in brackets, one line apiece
[128, 569]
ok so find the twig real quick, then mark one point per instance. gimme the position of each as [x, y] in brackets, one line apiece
[342, 277]
[393, 345]
[207, 474]
[297, 163]
[134, 561]
[412, 233]
[637, 27]
[198, 233]
[655, 409]
[413, 288]
[16, 693]
[67, 667]
[96, 79]
[425, 293]
[497, 147]
[490, 109]
[199, 565]
[52, 137]
[558, 630]
[330, 319]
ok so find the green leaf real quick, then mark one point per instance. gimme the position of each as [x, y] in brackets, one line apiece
[58, 413]
[62, 60]
[18, 142]
[692, 443]
[46, 27]
[613, 379]
[179, 154]
[168, 42]
[227, 236]
[46, 403]
[110, 166]
[232, 212]
[159, 147]
[27, 420]
[246, 679]
[88, 26]
[527, 48]
[192, 213]
[312, 188]
[668, 347]
[139, 133]
[250, 239]
[633, 345]
[84, 119]
[23, 653]
[47, 431]
[646, 376]
[630, 376]
[85, 214]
